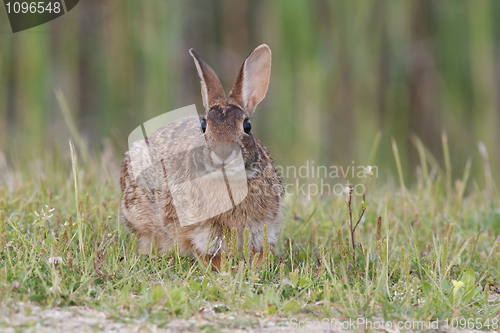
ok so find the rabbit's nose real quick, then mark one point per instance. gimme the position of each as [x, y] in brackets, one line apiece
[224, 152]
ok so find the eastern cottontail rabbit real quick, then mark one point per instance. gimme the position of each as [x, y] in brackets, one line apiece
[166, 213]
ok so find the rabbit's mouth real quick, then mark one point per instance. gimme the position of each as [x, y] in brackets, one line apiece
[228, 161]
[232, 165]
[231, 173]
[225, 155]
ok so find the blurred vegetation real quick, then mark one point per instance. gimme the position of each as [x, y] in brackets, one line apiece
[343, 71]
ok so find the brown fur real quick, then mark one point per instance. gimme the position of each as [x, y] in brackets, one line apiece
[149, 210]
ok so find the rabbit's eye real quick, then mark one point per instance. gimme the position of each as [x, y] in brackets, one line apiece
[247, 127]
[203, 125]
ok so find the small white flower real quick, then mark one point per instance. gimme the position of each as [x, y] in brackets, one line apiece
[347, 190]
[368, 171]
[55, 261]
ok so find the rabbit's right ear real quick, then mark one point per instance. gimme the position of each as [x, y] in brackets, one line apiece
[211, 88]
[253, 79]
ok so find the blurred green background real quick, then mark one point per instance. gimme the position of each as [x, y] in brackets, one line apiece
[342, 72]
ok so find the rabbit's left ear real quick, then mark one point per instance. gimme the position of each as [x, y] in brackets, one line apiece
[211, 89]
[253, 79]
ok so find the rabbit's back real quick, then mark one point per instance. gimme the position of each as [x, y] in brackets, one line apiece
[146, 202]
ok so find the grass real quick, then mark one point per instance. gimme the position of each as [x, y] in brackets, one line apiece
[410, 265]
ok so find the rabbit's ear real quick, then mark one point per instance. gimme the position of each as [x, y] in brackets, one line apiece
[253, 79]
[211, 89]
